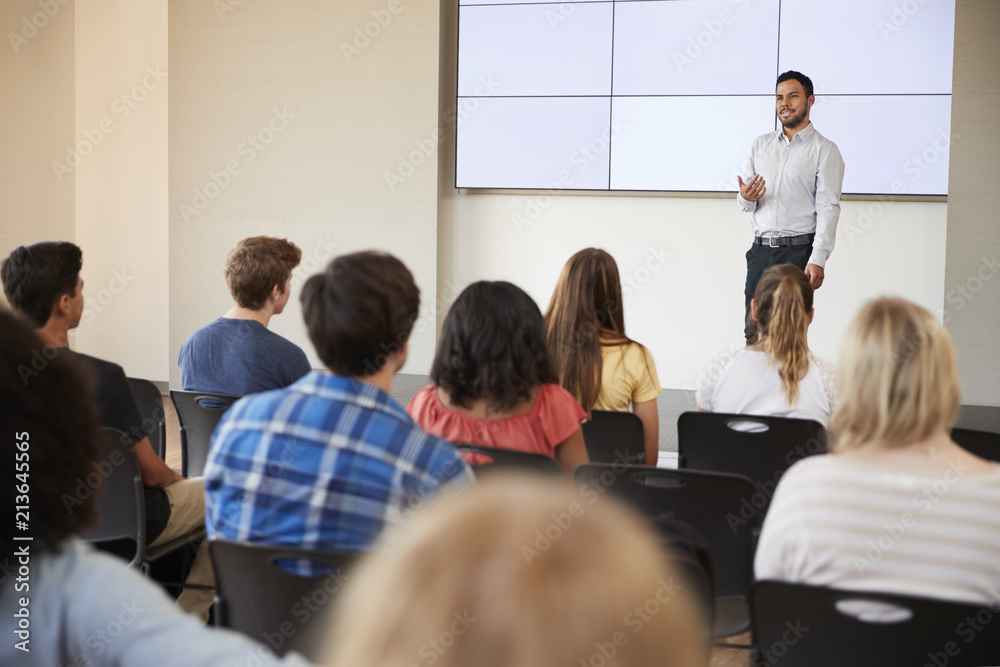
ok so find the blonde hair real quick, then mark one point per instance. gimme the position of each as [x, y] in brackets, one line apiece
[784, 298]
[897, 377]
[519, 572]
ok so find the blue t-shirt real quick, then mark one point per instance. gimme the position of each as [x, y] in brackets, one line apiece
[239, 357]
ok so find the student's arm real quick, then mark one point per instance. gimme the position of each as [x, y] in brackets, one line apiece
[154, 470]
[572, 452]
[647, 413]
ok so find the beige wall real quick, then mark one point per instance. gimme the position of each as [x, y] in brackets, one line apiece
[330, 117]
[121, 185]
[36, 125]
[972, 283]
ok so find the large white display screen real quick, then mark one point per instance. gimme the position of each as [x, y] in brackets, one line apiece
[669, 94]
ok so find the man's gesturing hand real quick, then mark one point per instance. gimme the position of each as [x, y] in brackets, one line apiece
[816, 275]
[753, 190]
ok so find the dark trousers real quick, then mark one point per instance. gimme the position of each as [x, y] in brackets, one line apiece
[759, 257]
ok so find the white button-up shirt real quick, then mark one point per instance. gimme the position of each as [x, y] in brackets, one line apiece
[803, 178]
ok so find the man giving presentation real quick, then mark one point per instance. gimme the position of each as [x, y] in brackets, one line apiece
[792, 191]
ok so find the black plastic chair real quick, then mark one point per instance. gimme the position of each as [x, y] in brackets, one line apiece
[508, 459]
[723, 508]
[717, 442]
[149, 400]
[256, 596]
[122, 505]
[983, 444]
[199, 413]
[795, 625]
[614, 436]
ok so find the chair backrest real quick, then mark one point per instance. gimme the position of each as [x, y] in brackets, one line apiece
[149, 400]
[489, 459]
[983, 444]
[759, 447]
[614, 436]
[259, 598]
[199, 413]
[797, 625]
[721, 507]
[116, 481]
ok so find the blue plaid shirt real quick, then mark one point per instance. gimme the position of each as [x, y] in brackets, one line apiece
[324, 463]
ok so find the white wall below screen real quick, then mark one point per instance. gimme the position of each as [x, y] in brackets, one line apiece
[682, 263]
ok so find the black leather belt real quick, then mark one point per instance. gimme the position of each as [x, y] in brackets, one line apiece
[775, 242]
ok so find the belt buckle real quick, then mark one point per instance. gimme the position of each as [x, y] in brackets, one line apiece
[771, 242]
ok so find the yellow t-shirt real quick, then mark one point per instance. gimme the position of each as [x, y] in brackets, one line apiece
[628, 376]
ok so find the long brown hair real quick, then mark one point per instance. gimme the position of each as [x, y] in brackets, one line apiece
[586, 306]
[784, 298]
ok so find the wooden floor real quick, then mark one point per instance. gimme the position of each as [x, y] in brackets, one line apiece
[720, 657]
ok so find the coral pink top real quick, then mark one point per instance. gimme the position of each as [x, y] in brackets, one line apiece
[555, 416]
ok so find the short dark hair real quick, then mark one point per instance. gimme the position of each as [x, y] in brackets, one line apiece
[54, 416]
[492, 346]
[36, 276]
[256, 265]
[790, 75]
[359, 311]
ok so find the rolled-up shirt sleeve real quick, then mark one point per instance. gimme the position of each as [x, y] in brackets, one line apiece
[829, 183]
[749, 171]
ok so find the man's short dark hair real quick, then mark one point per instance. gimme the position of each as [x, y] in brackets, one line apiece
[792, 75]
[51, 413]
[36, 276]
[360, 310]
[492, 346]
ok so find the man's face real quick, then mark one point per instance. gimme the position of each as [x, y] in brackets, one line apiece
[282, 301]
[791, 103]
[75, 311]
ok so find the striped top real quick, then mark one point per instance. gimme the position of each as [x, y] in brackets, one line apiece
[854, 525]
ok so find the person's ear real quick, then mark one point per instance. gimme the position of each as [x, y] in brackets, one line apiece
[275, 294]
[753, 309]
[62, 305]
[812, 311]
[398, 358]
[811, 100]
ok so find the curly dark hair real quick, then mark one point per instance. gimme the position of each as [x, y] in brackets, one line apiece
[360, 311]
[50, 424]
[492, 346]
[35, 276]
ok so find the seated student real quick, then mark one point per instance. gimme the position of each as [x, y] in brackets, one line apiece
[329, 461]
[42, 281]
[80, 606]
[493, 383]
[776, 374]
[601, 366]
[237, 354]
[895, 478]
[467, 582]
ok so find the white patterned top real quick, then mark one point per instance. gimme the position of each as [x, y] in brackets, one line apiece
[743, 381]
